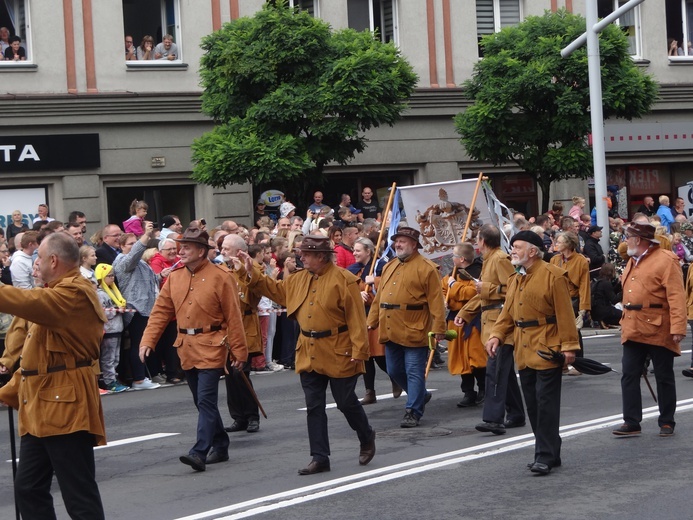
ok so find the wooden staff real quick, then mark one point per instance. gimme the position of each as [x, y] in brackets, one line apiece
[382, 228]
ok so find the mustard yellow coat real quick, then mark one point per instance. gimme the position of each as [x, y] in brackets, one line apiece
[206, 297]
[495, 272]
[578, 268]
[689, 294]
[248, 306]
[464, 353]
[656, 279]
[540, 293]
[322, 301]
[66, 327]
[414, 281]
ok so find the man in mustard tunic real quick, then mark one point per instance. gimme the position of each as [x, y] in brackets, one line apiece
[409, 304]
[539, 314]
[55, 389]
[333, 344]
[203, 297]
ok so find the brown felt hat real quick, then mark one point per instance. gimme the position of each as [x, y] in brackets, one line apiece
[644, 231]
[194, 235]
[316, 244]
[408, 232]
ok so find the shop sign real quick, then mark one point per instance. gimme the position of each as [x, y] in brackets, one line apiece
[49, 152]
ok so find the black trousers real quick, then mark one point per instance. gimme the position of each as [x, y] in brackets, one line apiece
[71, 457]
[503, 397]
[315, 387]
[633, 362]
[542, 391]
[369, 376]
[242, 407]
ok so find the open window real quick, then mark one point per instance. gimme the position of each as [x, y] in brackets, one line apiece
[679, 15]
[14, 22]
[493, 15]
[629, 23]
[312, 6]
[374, 15]
[151, 21]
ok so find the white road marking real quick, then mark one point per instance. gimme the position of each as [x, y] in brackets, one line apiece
[130, 440]
[379, 397]
[340, 485]
[598, 336]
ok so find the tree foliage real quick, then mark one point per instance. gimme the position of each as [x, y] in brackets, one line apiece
[531, 106]
[289, 95]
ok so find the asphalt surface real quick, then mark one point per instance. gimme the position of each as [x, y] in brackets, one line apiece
[442, 469]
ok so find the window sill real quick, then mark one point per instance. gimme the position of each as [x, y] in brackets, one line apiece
[155, 65]
[12, 66]
[640, 62]
[681, 60]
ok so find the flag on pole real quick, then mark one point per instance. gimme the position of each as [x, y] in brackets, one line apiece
[497, 214]
[395, 218]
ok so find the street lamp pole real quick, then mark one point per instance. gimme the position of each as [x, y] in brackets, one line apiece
[591, 36]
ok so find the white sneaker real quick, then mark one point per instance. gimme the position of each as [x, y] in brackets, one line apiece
[275, 367]
[146, 384]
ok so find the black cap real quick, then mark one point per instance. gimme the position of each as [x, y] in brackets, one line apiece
[592, 229]
[528, 236]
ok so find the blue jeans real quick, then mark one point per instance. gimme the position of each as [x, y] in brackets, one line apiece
[407, 366]
[204, 385]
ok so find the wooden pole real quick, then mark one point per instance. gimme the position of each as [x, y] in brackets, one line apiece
[382, 228]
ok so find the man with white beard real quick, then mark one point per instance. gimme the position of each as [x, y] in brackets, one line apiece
[539, 314]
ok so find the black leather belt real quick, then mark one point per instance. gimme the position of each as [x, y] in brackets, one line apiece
[58, 368]
[489, 307]
[192, 332]
[641, 307]
[403, 307]
[324, 333]
[535, 323]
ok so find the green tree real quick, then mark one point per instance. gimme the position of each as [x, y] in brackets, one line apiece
[289, 95]
[531, 106]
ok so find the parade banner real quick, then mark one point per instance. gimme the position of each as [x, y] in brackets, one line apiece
[439, 211]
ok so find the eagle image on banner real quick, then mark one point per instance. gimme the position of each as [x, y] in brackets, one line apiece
[439, 211]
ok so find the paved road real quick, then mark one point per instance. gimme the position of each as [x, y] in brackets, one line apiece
[443, 469]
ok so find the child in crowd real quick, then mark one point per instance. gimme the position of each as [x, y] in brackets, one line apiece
[135, 224]
[113, 304]
[87, 261]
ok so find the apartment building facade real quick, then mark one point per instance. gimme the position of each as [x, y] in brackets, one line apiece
[83, 128]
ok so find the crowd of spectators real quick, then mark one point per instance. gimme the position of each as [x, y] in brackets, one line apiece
[129, 263]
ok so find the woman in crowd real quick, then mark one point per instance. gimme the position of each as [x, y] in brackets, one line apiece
[606, 293]
[146, 49]
[140, 288]
[135, 224]
[335, 235]
[466, 354]
[87, 261]
[578, 269]
[162, 263]
[15, 227]
[363, 254]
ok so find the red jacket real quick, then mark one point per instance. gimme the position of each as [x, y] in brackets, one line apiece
[345, 256]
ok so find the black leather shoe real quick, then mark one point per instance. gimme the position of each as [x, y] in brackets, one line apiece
[514, 424]
[314, 467]
[540, 468]
[468, 400]
[367, 450]
[237, 426]
[215, 457]
[555, 464]
[494, 428]
[480, 396]
[253, 426]
[193, 461]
